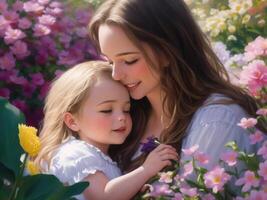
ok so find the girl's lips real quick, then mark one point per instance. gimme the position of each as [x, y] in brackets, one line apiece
[120, 130]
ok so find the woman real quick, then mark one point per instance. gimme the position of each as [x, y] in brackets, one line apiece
[181, 92]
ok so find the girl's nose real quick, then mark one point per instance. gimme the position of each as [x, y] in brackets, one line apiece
[121, 117]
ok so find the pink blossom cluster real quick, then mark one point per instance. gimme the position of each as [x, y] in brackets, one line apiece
[38, 40]
[194, 178]
[254, 74]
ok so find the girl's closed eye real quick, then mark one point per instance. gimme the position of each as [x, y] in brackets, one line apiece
[106, 111]
[126, 111]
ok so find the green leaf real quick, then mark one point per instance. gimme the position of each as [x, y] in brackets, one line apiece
[7, 180]
[69, 191]
[11, 151]
[232, 145]
[43, 186]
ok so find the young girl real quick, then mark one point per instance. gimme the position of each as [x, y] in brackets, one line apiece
[85, 112]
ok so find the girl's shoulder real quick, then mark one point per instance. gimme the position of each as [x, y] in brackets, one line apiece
[75, 159]
[72, 149]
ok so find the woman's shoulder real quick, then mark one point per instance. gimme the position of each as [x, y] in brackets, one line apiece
[214, 111]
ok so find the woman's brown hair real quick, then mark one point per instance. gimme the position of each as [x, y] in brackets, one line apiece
[193, 73]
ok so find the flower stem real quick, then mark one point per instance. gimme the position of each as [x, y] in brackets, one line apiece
[15, 189]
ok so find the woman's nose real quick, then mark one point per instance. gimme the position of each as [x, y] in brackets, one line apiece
[117, 73]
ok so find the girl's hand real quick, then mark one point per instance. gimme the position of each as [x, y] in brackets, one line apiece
[159, 158]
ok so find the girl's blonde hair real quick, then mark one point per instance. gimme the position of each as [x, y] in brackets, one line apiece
[67, 94]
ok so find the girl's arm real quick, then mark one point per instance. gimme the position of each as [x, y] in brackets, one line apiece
[126, 186]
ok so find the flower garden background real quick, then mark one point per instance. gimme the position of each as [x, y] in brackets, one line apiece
[39, 39]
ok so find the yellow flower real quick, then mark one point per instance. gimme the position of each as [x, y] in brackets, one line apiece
[28, 139]
[32, 168]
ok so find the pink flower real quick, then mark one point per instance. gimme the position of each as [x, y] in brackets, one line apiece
[247, 122]
[159, 190]
[12, 35]
[4, 24]
[5, 92]
[44, 90]
[230, 157]
[165, 177]
[202, 157]
[263, 170]
[262, 111]
[19, 80]
[28, 89]
[20, 104]
[37, 79]
[188, 169]
[3, 6]
[56, 12]
[43, 2]
[70, 57]
[41, 30]
[56, 4]
[256, 48]
[17, 6]
[11, 16]
[82, 16]
[34, 7]
[248, 181]
[216, 179]
[263, 150]
[24, 23]
[190, 150]
[20, 49]
[208, 197]
[254, 75]
[7, 61]
[256, 137]
[192, 192]
[47, 20]
[257, 195]
[82, 32]
[177, 196]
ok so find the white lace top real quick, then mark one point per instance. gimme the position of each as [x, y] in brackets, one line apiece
[75, 159]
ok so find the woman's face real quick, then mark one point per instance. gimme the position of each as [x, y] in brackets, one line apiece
[129, 65]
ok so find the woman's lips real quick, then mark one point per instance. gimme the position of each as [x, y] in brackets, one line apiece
[132, 86]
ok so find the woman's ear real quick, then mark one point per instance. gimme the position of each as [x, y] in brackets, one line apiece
[71, 122]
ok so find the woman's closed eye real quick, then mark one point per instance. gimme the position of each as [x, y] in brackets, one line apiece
[131, 62]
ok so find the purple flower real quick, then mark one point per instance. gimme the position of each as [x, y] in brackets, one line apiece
[152, 143]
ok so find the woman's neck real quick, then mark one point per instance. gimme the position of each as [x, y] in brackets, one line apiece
[155, 123]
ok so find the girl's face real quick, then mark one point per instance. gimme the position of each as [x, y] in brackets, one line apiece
[104, 118]
[128, 62]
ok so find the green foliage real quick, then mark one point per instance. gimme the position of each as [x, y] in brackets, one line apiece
[13, 185]
[11, 151]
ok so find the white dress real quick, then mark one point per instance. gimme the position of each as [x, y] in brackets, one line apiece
[75, 159]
